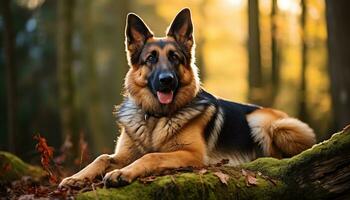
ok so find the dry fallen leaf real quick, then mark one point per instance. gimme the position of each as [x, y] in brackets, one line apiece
[251, 180]
[223, 177]
[148, 179]
[250, 177]
[203, 171]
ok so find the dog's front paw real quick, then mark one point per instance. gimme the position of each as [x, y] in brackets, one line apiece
[117, 178]
[72, 181]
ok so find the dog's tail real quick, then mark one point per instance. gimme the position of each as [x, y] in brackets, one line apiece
[280, 135]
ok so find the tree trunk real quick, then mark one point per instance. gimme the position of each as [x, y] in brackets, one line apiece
[254, 56]
[338, 27]
[275, 67]
[10, 73]
[65, 72]
[322, 172]
[200, 63]
[303, 84]
[116, 65]
[91, 83]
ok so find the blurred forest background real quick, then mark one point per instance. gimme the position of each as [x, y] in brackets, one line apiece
[63, 62]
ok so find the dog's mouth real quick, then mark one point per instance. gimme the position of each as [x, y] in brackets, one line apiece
[165, 97]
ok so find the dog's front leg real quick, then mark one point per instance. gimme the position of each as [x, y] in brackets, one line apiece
[97, 167]
[153, 163]
[122, 157]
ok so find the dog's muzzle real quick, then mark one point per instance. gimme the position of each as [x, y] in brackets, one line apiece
[167, 86]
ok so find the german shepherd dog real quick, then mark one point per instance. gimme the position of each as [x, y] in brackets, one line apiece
[169, 121]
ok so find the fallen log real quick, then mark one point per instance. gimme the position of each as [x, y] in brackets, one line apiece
[322, 172]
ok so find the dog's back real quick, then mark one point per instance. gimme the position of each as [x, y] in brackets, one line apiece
[243, 132]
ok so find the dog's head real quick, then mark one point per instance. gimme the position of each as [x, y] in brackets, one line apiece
[162, 77]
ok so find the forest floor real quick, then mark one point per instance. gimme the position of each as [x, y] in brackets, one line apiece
[321, 172]
[19, 180]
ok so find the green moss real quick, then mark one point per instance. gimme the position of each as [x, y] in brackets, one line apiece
[268, 166]
[337, 144]
[190, 186]
[13, 168]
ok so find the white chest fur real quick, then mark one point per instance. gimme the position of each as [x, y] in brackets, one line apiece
[149, 132]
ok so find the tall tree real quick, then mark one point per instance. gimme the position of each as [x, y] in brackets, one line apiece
[65, 71]
[254, 62]
[275, 67]
[91, 83]
[109, 27]
[10, 72]
[338, 27]
[200, 42]
[303, 84]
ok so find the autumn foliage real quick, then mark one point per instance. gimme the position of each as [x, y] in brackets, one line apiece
[46, 153]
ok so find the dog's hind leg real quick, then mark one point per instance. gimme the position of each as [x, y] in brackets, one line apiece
[279, 135]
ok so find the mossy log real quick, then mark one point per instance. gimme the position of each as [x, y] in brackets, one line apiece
[322, 172]
[12, 168]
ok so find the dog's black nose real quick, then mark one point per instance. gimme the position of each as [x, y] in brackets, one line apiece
[166, 78]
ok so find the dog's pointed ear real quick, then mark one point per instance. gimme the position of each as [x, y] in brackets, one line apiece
[181, 29]
[136, 33]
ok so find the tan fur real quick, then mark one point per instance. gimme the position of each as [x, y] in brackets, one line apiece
[278, 134]
[186, 149]
[136, 84]
[175, 137]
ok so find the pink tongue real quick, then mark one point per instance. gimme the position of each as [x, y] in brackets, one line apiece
[165, 98]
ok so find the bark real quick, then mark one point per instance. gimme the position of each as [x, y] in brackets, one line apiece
[10, 73]
[254, 68]
[65, 71]
[275, 65]
[322, 172]
[304, 48]
[339, 60]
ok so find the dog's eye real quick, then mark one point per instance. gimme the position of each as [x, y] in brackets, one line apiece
[151, 59]
[173, 56]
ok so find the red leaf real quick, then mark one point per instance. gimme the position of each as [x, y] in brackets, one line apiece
[45, 150]
[46, 153]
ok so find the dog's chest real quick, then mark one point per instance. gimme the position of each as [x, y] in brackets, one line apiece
[151, 133]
